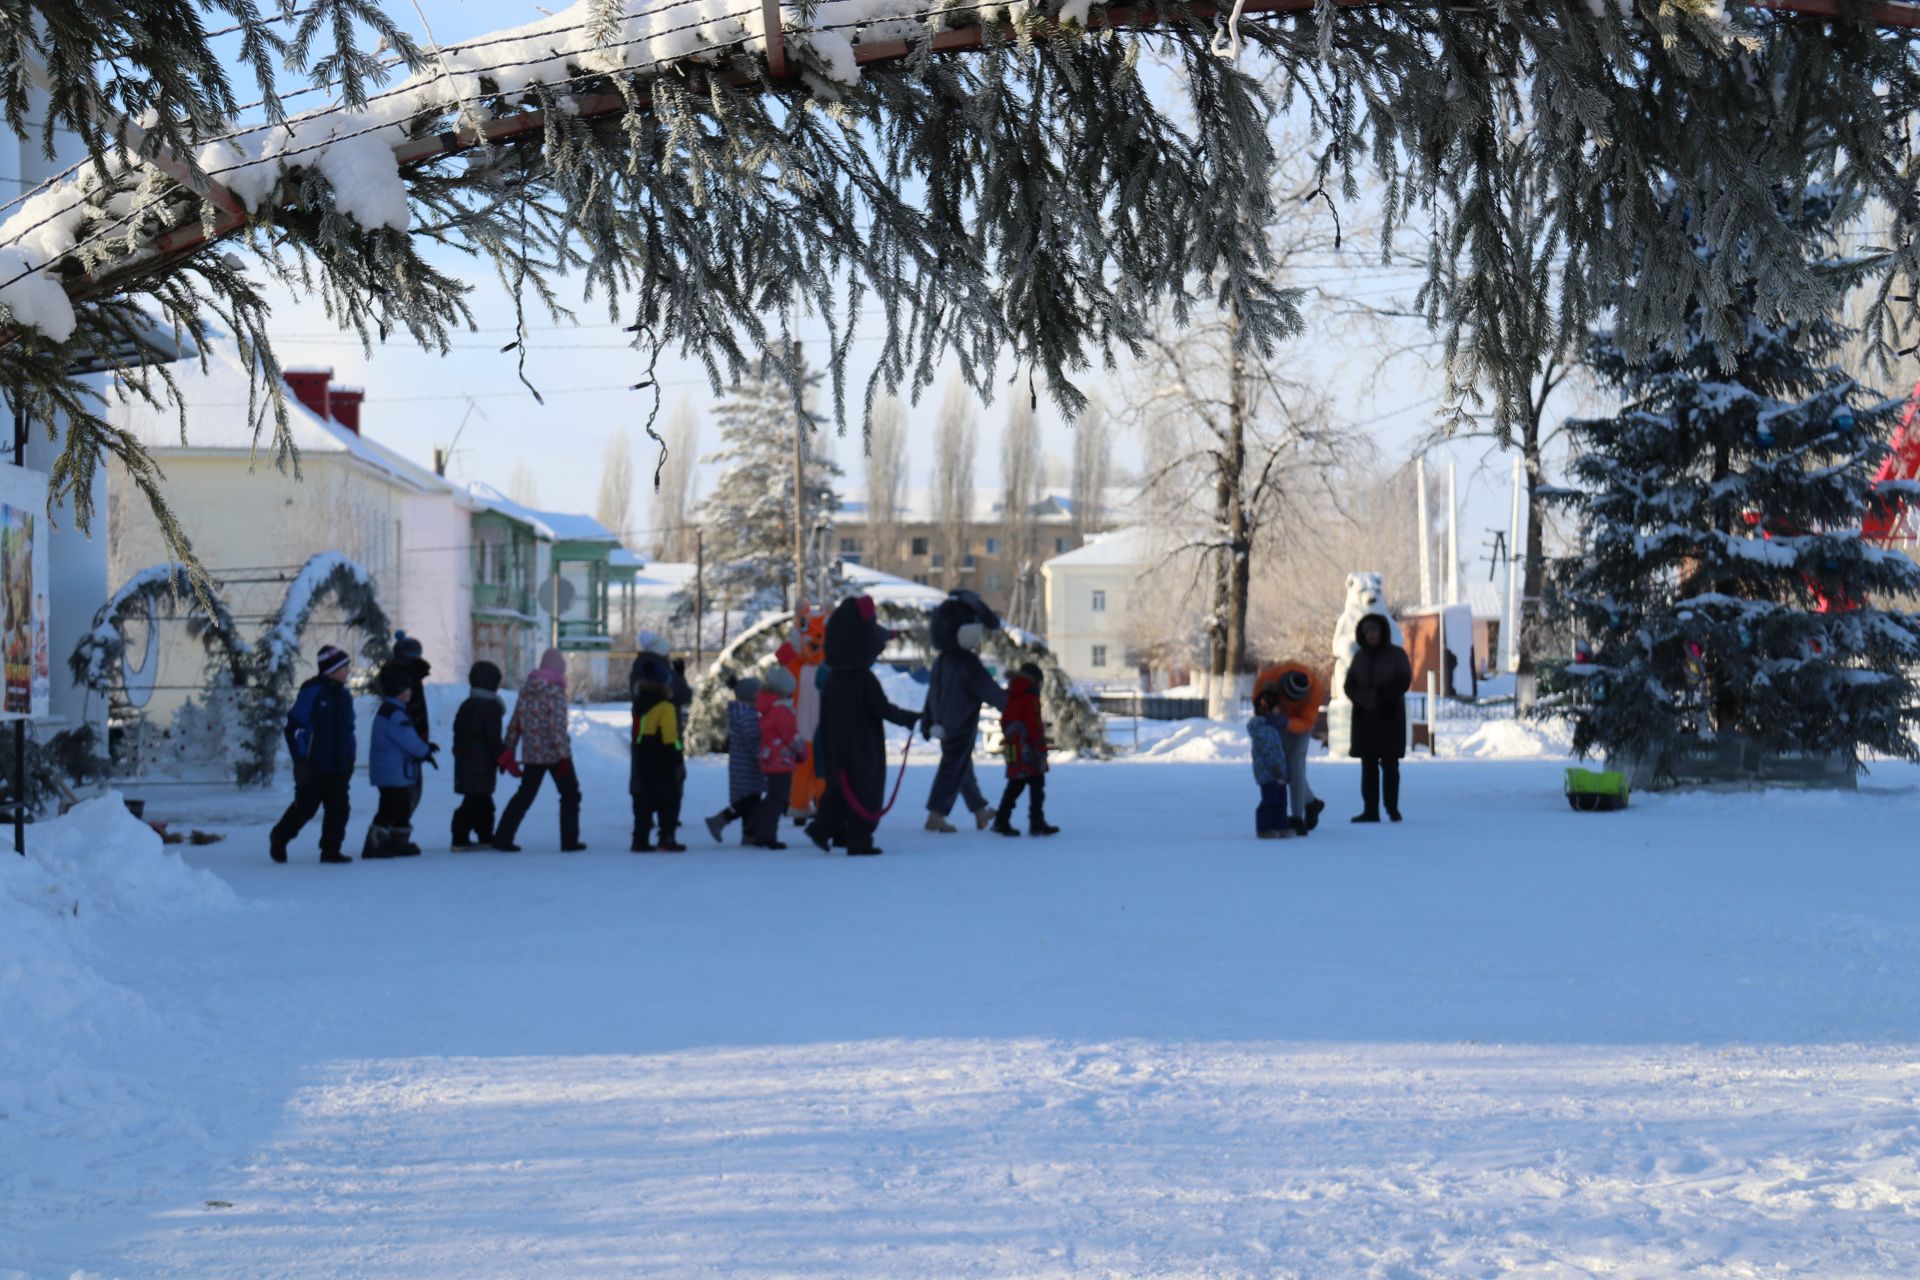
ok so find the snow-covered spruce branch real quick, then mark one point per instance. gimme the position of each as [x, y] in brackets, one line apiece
[1031, 202]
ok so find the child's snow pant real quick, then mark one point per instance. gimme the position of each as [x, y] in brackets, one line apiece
[1036, 789]
[568, 784]
[1271, 815]
[764, 826]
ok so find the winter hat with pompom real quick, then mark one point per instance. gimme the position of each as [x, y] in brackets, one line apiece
[332, 658]
[650, 642]
[406, 647]
[781, 681]
[484, 675]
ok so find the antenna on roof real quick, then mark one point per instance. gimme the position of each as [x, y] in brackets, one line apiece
[442, 456]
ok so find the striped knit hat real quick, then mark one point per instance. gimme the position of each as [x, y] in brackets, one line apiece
[332, 658]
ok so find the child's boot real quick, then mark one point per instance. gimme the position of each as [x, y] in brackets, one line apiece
[668, 844]
[1037, 823]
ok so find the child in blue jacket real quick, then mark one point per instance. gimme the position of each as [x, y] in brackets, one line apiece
[393, 763]
[1269, 767]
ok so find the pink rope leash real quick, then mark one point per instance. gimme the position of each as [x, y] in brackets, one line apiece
[861, 811]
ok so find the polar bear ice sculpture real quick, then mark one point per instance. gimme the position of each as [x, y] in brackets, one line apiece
[1365, 594]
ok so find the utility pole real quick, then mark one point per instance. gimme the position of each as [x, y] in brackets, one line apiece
[699, 595]
[799, 492]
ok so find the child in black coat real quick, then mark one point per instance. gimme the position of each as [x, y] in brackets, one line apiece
[658, 769]
[478, 738]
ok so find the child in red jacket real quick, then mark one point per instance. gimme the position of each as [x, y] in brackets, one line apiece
[1024, 740]
[781, 749]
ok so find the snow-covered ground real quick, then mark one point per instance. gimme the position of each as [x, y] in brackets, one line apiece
[1500, 1038]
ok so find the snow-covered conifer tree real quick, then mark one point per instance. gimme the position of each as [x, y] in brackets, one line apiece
[748, 518]
[1724, 585]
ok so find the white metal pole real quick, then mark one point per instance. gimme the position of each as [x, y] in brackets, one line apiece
[1453, 537]
[1433, 700]
[1425, 528]
[1515, 533]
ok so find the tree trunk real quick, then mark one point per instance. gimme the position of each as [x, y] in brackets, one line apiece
[1233, 570]
[1534, 567]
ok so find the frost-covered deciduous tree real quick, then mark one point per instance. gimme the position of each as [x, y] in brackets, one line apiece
[1092, 469]
[1253, 451]
[749, 517]
[886, 482]
[613, 505]
[1725, 585]
[1019, 527]
[672, 509]
[955, 441]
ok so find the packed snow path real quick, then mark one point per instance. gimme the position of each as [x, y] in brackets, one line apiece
[1501, 1037]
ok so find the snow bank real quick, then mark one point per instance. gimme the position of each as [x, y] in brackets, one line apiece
[1201, 741]
[1511, 740]
[94, 871]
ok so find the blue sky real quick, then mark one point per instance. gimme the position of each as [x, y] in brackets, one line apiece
[417, 401]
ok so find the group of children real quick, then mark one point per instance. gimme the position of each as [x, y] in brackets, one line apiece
[765, 747]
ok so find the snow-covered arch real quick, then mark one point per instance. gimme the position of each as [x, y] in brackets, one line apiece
[328, 575]
[1072, 722]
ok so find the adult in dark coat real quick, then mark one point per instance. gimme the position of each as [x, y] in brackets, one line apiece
[956, 689]
[1377, 682]
[479, 735]
[850, 744]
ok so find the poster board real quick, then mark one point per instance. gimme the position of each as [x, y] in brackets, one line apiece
[26, 665]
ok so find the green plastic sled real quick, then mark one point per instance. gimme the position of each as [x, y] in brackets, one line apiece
[1595, 791]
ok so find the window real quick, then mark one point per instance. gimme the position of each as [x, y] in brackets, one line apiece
[850, 558]
[1062, 545]
[1099, 602]
[966, 561]
[939, 560]
[993, 582]
[1099, 655]
[850, 547]
[993, 546]
[919, 546]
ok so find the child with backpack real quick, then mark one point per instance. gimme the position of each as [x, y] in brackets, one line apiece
[1270, 821]
[655, 777]
[1024, 740]
[781, 749]
[744, 782]
[393, 764]
[479, 735]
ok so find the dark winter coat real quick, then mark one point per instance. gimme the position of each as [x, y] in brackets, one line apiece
[743, 751]
[394, 758]
[1377, 682]
[648, 668]
[958, 685]
[851, 738]
[654, 777]
[1023, 734]
[479, 736]
[320, 727]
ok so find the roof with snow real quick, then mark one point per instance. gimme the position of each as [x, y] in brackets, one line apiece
[556, 526]
[1131, 547]
[219, 421]
[886, 588]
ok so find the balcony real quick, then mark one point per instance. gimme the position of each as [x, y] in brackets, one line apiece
[502, 597]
